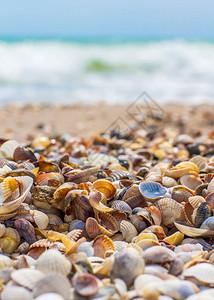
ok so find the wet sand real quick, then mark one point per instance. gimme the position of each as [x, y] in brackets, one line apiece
[25, 122]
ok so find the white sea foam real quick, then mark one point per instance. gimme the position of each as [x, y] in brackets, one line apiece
[66, 72]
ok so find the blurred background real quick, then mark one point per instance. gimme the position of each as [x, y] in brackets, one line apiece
[86, 51]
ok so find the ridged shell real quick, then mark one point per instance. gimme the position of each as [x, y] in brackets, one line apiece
[158, 255]
[105, 187]
[16, 293]
[210, 200]
[8, 148]
[101, 244]
[40, 219]
[201, 213]
[208, 224]
[8, 207]
[210, 188]
[200, 161]
[128, 231]
[181, 193]
[195, 201]
[138, 222]
[202, 272]
[120, 245]
[168, 182]
[82, 175]
[136, 247]
[86, 248]
[97, 200]
[147, 243]
[170, 210]
[85, 284]
[53, 261]
[144, 235]
[157, 230]
[176, 173]
[190, 181]
[50, 179]
[152, 191]
[63, 189]
[75, 234]
[9, 187]
[192, 231]
[121, 206]
[8, 245]
[2, 229]
[27, 277]
[50, 296]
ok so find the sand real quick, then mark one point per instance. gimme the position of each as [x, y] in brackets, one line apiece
[25, 122]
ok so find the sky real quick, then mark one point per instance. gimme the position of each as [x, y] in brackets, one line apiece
[114, 18]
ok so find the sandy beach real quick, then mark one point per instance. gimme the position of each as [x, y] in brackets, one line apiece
[25, 122]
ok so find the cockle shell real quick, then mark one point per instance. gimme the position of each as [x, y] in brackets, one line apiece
[157, 230]
[11, 206]
[16, 293]
[2, 229]
[201, 213]
[208, 224]
[85, 284]
[105, 187]
[8, 244]
[168, 182]
[190, 181]
[181, 193]
[50, 179]
[27, 277]
[128, 231]
[98, 200]
[204, 273]
[176, 172]
[200, 161]
[152, 191]
[210, 200]
[121, 206]
[53, 261]
[101, 244]
[170, 210]
[86, 248]
[40, 218]
[158, 255]
[147, 243]
[7, 149]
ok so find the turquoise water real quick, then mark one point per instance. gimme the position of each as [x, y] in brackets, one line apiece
[70, 70]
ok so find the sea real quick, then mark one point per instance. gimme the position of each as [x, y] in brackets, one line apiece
[87, 70]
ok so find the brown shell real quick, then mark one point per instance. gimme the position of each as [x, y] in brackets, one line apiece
[101, 244]
[106, 187]
[85, 284]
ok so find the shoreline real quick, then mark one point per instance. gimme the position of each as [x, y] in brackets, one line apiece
[24, 122]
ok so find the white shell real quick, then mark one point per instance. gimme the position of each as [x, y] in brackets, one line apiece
[16, 293]
[50, 296]
[27, 277]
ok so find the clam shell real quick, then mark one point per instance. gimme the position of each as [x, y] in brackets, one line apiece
[210, 200]
[147, 243]
[138, 222]
[86, 248]
[202, 272]
[200, 161]
[2, 229]
[7, 149]
[52, 283]
[155, 214]
[208, 224]
[96, 200]
[120, 245]
[158, 255]
[27, 277]
[53, 261]
[210, 188]
[63, 189]
[5, 261]
[11, 206]
[122, 206]
[101, 244]
[144, 235]
[105, 187]
[85, 284]
[50, 296]
[202, 213]
[50, 179]
[181, 193]
[195, 201]
[128, 230]
[136, 247]
[174, 239]
[157, 230]
[168, 182]
[190, 181]
[8, 245]
[16, 293]
[152, 191]
[127, 266]
[191, 165]
[144, 279]
[176, 173]
[40, 218]
[9, 186]
[192, 231]
[170, 210]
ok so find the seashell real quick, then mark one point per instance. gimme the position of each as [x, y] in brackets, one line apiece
[76, 224]
[63, 189]
[50, 296]
[53, 261]
[5, 261]
[195, 201]
[40, 219]
[119, 216]
[143, 279]
[188, 164]
[168, 182]
[170, 210]
[144, 214]
[174, 239]
[122, 206]
[8, 244]
[202, 213]
[50, 179]
[153, 176]
[155, 214]
[133, 197]
[181, 193]
[120, 245]
[9, 207]
[82, 175]
[158, 255]
[86, 248]
[75, 234]
[108, 222]
[7, 148]
[16, 293]
[105, 187]
[176, 172]
[208, 224]
[210, 200]
[152, 191]
[9, 187]
[208, 177]
[203, 272]
[22, 154]
[2, 230]
[27, 277]
[190, 181]
[47, 166]
[192, 231]
[101, 159]
[200, 161]
[147, 243]
[43, 193]
[23, 248]
[210, 187]
[12, 233]
[85, 284]
[206, 246]
[138, 222]
[157, 230]
[101, 244]
[144, 235]
[22, 173]
[94, 229]
[201, 190]
[128, 231]
[98, 200]
[127, 266]
[25, 229]
[52, 283]
[136, 247]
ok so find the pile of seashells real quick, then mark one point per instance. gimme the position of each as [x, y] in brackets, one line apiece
[108, 217]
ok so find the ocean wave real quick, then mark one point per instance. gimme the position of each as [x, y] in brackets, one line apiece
[66, 71]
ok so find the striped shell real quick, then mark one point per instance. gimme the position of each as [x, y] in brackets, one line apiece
[192, 231]
[128, 230]
[170, 210]
[101, 244]
[105, 187]
[204, 273]
[27, 277]
[16, 293]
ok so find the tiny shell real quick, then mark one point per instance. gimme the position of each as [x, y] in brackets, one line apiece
[85, 284]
